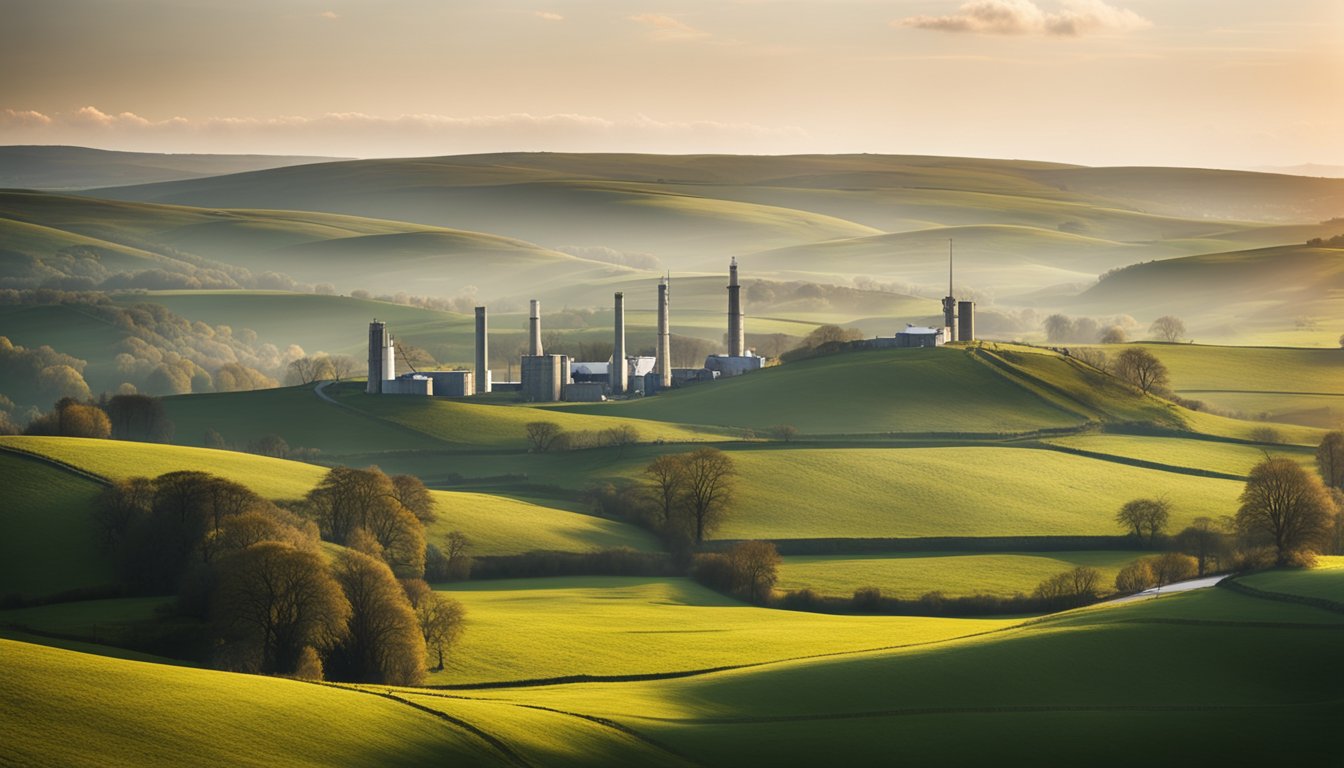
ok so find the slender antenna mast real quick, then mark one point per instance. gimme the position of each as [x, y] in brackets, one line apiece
[949, 266]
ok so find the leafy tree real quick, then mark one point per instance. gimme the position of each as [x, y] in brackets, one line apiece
[71, 418]
[272, 601]
[383, 643]
[1168, 328]
[1330, 459]
[1142, 369]
[413, 495]
[139, 417]
[1070, 587]
[456, 548]
[1114, 335]
[1146, 518]
[1171, 567]
[348, 500]
[441, 620]
[755, 567]
[1058, 328]
[1135, 577]
[1205, 540]
[709, 482]
[784, 432]
[1285, 506]
[541, 435]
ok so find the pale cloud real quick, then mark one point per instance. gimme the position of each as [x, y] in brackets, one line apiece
[666, 27]
[330, 15]
[548, 16]
[1024, 17]
[354, 133]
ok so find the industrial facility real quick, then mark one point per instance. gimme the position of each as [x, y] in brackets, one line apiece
[547, 378]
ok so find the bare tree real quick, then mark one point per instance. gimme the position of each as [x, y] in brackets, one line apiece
[413, 495]
[1171, 567]
[666, 484]
[710, 476]
[1145, 517]
[1286, 506]
[303, 370]
[1058, 328]
[1135, 577]
[542, 434]
[1142, 369]
[784, 432]
[342, 366]
[1093, 357]
[442, 620]
[1168, 328]
[1330, 459]
[456, 548]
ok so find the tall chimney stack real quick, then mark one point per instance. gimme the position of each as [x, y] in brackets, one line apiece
[618, 371]
[534, 330]
[736, 340]
[377, 343]
[482, 353]
[663, 362]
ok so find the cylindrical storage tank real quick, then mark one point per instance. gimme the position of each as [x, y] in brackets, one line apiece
[966, 321]
[389, 361]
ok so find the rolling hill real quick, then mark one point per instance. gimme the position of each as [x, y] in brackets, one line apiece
[58, 167]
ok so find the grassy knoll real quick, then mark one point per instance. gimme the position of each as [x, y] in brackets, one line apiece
[501, 426]
[499, 525]
[91, 619]
[623, 626]
[954, 491]
[1059, 688]
[882, 391]
[294, 413]
[1209, 455]
[72, 709]
[907, 576]
[46, 543]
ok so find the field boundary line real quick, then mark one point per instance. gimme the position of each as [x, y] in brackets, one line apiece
[1322, 603]
[57, 463]
[491, 740]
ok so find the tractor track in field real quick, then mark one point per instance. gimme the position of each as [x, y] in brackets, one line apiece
[492, 741]
[602, 721]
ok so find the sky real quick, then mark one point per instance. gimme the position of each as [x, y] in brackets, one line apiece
[1215, 83]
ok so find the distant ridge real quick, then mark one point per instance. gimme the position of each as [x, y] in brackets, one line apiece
[63, 167]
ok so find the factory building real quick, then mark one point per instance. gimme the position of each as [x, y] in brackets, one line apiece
[482, 378]
[543, 377]
[452, 383]
[921, 336]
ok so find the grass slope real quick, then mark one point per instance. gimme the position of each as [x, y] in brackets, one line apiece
[57, 167]
[496, 525]
[47, 545]
[73, 709]
[879, 391]
[628, 626]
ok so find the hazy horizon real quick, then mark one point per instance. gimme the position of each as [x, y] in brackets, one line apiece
[1131, 82]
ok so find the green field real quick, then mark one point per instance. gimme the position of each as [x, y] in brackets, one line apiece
[631, 626]
[496, 525]
[954, 574]
[47, 545]
[806, 493]
[1207, 455]
[1325, 581]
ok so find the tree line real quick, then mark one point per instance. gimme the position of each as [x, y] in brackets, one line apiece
[269, 598]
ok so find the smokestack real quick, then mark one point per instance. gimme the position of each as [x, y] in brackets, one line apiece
[663, 363]
[949, 301]
[618, 371]
[482, 354]
[377, 343]
[390, 360]
[534, 329]
[736, 341]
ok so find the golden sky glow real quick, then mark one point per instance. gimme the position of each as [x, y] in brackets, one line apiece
[1228, 83]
